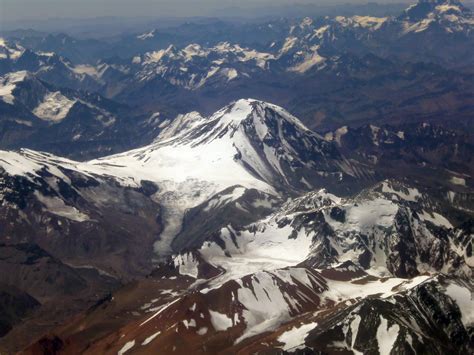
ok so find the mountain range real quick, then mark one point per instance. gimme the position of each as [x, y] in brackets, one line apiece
[254, 174]
[411, 67]
[290, 185]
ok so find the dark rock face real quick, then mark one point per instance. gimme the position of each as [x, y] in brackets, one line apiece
[14, 306]
[33, 270]
[338, 214]
[202, 222]
[149, 187]
[418, 149]
[39, 290]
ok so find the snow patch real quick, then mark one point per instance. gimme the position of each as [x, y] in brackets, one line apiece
[411, 194]
[126, 347]
[146, 35]
[386, 336]
[54, 107]
[202, 331]
[220, 321]
[436, 219]
[188, 265]
[57, 206]
[295, 337]
[150, 338]
[458, 181]
[464, 299]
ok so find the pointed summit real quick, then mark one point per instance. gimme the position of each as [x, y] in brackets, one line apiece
[265, 139]
[250, 140]
[249, 115]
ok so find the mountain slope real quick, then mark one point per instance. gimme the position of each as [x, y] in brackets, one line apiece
[38, 115]
[243, 291]
[389, 229]
[71, 213]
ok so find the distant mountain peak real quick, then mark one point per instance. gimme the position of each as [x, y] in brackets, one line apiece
[450, 16]
[430, 8]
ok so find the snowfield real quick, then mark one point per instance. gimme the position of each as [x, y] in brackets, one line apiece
[54, 108]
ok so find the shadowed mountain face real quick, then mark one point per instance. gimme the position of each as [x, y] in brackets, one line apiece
[148, 205]
[15, 305]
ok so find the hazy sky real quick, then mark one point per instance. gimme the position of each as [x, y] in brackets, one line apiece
[12, 10]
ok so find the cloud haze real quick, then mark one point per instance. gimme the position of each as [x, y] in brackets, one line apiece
[12, 10]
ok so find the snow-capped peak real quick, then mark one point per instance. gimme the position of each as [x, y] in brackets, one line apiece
[249, 143]
[424, 8]
[237, 112]
[246, 114]
[265, 139]
[450, 15]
